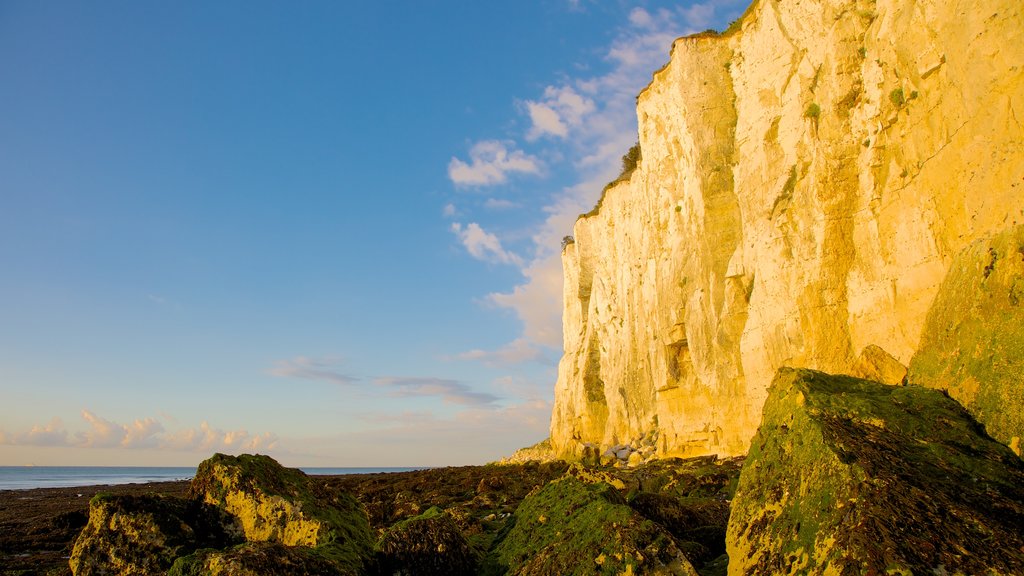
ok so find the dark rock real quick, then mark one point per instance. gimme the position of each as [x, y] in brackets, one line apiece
[571, 527]
[848, 476]
[699, 520]
[427, 545]
[257, 559]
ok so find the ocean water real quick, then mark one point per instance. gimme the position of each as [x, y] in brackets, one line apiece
[25, 477]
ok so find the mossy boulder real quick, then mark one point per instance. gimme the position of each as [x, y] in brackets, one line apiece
[573, 527]
[430, 544]
[144, 534]
[256, 559]
[849, 476]
[277, 504]
[973, 339]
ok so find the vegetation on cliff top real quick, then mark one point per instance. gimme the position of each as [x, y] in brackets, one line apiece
[630, 160]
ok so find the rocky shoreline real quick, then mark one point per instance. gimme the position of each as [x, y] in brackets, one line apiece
[845, 475]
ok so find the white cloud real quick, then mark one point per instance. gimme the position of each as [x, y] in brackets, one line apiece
[144, 433]
[450, 391]
[449, 210]
[519, 351]
[499, 204]
[561, 108]
[483, 245]
[50, 434]
[490, 162]
[106, 434]
[322, 369]
[209, 439]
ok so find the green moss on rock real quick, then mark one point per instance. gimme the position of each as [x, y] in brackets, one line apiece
[257, 559]
[571, 527]
[849, 476]
[430, 544]
[277, 504]
[973, 340]
[144, 534]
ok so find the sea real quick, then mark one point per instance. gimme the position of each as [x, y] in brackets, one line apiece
[27, 477]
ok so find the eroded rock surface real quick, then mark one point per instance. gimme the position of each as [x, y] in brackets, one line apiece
[848, 476]
[145, 534]
[277, 504]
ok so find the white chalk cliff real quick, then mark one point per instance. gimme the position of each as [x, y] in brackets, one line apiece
[806, 181]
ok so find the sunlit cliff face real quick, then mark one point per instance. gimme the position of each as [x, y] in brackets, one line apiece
[806, 181]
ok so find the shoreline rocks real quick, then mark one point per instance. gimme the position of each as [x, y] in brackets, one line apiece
[852, 476]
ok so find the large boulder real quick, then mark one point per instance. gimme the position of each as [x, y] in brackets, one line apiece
[133, 535]
[572, 527]
[277, 504]
[430, 544]
[849, 476]
[973, 340]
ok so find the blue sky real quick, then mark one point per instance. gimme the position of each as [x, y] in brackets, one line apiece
[324, 231]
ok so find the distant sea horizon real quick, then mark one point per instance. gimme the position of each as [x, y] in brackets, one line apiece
[29, 477]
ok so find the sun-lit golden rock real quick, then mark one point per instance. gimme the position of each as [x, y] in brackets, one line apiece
[805, 183]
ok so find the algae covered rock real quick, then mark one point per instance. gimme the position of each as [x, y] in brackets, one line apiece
[430, 544]
[849, 476]
[144, 534]
[973, 340]
[277, 504]
[256, 559]
[571, 527]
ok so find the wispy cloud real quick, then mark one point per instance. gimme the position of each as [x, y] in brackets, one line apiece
[499, 204]
[483, 245]
[490, 162]
[519, 351]
[450, 391]
[322, 369]
[473, 435]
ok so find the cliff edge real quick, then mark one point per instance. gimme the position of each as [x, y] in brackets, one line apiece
[806, 182]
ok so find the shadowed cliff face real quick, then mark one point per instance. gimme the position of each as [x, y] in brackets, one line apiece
[805, 184]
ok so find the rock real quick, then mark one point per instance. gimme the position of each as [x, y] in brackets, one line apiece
[256, 559]
[130, 535]
[700, 520]
[426, 545]
[805, 182]
[878, 365]
[848, 476]
[569, 527]
[277, 504]
[635, 459]
[973, 341]
[623, 454]
[539, 452]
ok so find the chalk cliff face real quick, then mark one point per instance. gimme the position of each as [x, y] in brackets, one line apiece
[805, 184]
